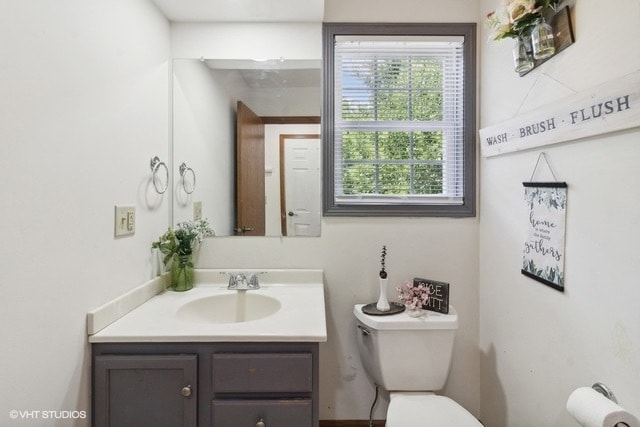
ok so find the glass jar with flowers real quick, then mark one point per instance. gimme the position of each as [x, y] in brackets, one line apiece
[178, 247]
[414, 297]
[516, 19]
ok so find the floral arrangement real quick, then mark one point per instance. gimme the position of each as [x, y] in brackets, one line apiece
[514, 18]
[413, 297]
[183, 240]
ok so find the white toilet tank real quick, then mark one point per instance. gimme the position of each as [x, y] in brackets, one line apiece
[403, 353]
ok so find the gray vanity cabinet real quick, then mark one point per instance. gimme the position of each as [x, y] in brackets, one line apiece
[205, 384]
[145, 390]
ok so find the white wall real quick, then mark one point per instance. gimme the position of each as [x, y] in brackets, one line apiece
[84, 106]
[281, 102]
[203, 138]
[539, 344]
[348, 252]
[249, 40]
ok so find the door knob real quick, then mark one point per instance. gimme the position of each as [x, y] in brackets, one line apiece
[291, 213]
[261, 423]
[186, 391]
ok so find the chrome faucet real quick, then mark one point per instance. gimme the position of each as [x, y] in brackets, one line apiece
[239, 282]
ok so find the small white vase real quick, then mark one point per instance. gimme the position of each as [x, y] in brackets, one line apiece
[415, 312]
[383, 302]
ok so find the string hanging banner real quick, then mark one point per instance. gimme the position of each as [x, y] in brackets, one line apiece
[543, 254]
[610, 107]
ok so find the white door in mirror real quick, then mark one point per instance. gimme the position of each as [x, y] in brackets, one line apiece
[302, 186]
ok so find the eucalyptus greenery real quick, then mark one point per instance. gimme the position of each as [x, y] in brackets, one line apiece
[548, 273]
[183, 240]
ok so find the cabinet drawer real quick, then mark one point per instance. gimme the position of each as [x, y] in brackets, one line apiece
[262, 372]
[274, 413]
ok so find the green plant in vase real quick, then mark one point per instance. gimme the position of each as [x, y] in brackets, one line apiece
[178, 247]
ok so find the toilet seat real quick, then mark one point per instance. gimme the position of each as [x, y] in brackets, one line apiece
[427, 410]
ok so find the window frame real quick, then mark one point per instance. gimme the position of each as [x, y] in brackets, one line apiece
[468, 206]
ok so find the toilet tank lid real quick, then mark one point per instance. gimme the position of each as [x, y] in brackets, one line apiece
[431, 320]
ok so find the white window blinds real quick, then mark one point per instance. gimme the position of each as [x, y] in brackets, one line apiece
[398, 119]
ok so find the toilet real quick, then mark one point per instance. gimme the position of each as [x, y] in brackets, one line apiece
[410, 358]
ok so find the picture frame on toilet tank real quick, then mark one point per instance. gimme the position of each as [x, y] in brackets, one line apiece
[544, 247]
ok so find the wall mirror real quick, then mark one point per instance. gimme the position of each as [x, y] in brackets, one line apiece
[248, 135]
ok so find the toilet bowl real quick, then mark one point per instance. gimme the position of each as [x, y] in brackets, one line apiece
[427, 410]
[410, 358]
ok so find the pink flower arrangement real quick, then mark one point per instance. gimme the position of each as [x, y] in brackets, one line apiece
[413, 297]
[515, 18]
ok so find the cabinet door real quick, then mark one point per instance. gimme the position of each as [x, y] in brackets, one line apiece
[273, 413]
[145, 390]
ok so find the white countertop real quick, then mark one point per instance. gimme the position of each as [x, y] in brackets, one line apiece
[300, 318]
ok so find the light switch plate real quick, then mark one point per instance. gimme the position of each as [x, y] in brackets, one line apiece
[125, 220]
[197, 211]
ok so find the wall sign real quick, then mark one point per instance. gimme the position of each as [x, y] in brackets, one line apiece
[543, 254]
[607, 108]
[438, 294]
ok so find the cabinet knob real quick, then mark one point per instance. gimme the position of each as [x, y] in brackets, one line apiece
[186, 391]
[261, 423]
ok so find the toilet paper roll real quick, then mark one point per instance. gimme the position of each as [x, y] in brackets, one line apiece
[592, 409]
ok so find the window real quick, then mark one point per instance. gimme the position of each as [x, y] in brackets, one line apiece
[399, 119]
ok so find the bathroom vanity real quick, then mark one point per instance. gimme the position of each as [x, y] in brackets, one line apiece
[205, 384]
[169, 363]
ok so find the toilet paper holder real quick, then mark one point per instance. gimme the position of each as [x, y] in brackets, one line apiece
[605, 391]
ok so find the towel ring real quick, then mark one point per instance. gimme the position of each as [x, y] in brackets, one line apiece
[184, 170]
[156, 165]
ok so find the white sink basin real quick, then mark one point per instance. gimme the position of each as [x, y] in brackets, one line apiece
[289, 306]
[236, 307]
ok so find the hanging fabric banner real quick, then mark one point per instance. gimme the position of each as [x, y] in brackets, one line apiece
[543, 255]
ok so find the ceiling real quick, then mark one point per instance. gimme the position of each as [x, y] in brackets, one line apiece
[242, 10]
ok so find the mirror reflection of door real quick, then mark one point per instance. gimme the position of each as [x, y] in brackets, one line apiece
[250, 199]
[300, 185]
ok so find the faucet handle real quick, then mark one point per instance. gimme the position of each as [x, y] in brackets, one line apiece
[232, 281]
[253, 281]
